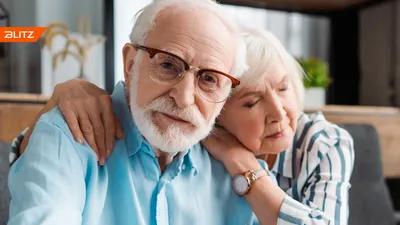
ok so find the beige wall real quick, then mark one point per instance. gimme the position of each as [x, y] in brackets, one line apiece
[379, 53]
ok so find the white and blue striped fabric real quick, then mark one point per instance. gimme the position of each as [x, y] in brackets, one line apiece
[315, 173]
[15, 147]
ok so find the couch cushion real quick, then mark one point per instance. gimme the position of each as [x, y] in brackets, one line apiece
[369, 198]
[4, 193]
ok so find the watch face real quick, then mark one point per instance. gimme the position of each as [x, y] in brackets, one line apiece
[240, 184]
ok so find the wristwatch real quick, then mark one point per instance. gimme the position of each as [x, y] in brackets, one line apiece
[242, 182]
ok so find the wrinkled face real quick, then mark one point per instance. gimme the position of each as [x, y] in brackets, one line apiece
[264, 119]
[173, 117]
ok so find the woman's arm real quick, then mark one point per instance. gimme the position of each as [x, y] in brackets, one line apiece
[265, 196]
[88, 112]
[325, 198]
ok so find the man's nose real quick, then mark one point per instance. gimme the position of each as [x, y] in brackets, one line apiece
[275, 110]
[184, 91]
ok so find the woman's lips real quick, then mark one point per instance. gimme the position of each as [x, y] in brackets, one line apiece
[277, 135]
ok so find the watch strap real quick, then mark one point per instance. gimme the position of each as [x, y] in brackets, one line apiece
[253, 175]
[261, 173]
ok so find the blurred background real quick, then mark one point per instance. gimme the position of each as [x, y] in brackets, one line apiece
[349, 48]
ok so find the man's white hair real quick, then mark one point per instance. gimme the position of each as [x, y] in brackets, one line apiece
[263, 48]
[145, 20]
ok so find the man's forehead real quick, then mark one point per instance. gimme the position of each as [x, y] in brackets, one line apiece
[197, 25]
[185, 35]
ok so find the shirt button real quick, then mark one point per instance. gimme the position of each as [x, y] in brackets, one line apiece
[183, 166]
[315, 213]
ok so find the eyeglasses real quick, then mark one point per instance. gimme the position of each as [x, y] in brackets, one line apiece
[167, 68]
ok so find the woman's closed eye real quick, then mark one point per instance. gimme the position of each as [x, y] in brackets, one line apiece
[251, 104]
[283, 89]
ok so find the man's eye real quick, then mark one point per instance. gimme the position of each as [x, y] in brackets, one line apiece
[251, 105]
[209, 79]
[167, 65]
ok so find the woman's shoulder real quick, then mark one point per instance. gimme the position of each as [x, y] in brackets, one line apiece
[314, 131]
[320, 146]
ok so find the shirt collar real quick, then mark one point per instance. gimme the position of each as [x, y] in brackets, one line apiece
[189, 160]
[186, 161]
[291, 155]
[134, 138]
[284, 159]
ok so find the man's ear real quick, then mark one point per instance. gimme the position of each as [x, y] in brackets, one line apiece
[128, 54]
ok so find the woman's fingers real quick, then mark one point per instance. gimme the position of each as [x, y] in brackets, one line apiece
[87, 128]
[98, 128]
[107, 117]
[88, 111]
[119, 133]
[71, 116]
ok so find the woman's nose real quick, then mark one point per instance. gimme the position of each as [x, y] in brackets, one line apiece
[275, 110]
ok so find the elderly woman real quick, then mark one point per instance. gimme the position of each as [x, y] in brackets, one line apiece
[311, 158]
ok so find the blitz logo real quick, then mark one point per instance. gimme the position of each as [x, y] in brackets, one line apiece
[19, 35]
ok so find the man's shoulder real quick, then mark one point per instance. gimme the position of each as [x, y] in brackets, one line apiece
[207, 164]
[200, 155]
[53, 127]
[55, 118]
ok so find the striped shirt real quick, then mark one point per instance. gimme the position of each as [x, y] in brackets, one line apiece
[314, 173]
[12, 157]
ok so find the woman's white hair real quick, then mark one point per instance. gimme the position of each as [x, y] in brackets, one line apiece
[263, 48]
[145, 20]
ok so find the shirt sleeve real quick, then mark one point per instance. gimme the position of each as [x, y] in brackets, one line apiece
[47, 182]
[325, 196]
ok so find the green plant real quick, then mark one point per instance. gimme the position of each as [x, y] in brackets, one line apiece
[317, 73]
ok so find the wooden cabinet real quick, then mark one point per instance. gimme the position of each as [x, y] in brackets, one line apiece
[312, 6]
[17, 112]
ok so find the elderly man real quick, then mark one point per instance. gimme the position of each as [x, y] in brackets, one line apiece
[183, 59]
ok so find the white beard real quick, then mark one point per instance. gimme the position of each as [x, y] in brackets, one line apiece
[175, 138]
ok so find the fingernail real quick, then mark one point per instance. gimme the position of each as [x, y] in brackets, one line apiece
[80, 140]
[102, 161]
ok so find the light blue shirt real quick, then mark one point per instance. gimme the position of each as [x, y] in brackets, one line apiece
[58, 181]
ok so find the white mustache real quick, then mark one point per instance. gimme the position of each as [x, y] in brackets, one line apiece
[167, 106]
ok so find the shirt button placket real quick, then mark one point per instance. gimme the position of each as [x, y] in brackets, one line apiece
[162, 207]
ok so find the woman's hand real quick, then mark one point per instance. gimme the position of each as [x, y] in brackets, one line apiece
[265, 196]
[88, 111]
[226, 148]
[221, 144]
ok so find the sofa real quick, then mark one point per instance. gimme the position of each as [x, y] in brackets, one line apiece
[4, 193]
[370, 202]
